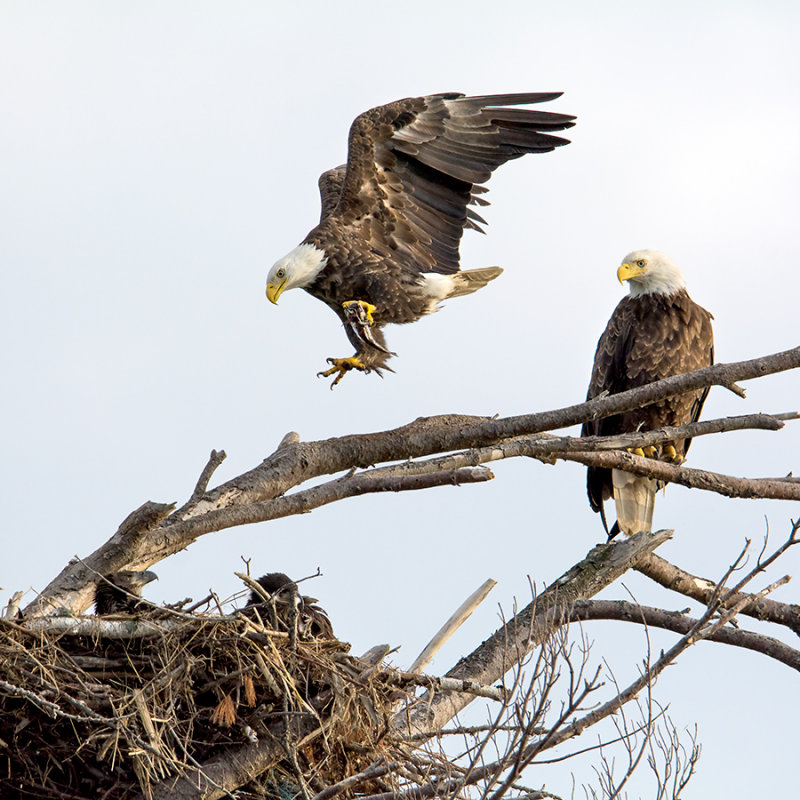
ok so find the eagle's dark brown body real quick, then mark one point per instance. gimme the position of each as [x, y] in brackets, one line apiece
[351, 274]
[649, 337]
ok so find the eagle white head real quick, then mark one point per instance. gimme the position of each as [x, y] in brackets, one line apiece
[650, 272]
[298, 268]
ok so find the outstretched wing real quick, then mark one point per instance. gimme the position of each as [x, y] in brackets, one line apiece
[414, 168]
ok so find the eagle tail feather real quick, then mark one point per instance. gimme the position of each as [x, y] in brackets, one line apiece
[469, 281]
[635, 497]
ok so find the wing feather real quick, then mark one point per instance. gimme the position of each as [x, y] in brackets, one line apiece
[330, 189]
[415, 165]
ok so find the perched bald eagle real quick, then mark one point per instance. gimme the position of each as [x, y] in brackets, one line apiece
[655, 332]
[120, 592]
[387, 245]
[287, 602]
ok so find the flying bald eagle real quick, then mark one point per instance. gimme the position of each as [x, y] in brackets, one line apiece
[655, 332]
[120, 592]
[287, 602]
[386, 247]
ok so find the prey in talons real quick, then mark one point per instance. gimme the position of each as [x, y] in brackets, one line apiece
[358, 315]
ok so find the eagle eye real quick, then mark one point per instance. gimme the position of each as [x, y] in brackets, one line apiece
[281, 272]
[641, 263]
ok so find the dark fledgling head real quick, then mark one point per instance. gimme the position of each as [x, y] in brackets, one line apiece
[120, 592]
[312, 621]
[280, 587]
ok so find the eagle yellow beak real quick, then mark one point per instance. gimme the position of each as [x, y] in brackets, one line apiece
[626, 272]
[274, 291]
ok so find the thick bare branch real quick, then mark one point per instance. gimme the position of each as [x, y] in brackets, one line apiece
[100, 627]
[232, 768]
[304, 501]
[72, 587]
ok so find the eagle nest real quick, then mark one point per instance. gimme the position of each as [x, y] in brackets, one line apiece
[140, 706]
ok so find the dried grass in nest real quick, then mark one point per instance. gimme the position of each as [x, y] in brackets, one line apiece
[84, 716]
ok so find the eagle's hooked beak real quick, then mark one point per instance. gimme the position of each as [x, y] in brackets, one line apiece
[145, 577]
[628, 271]
[274, 291]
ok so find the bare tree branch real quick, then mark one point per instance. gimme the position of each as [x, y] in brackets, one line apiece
[672, 577]
[541, 445]
[351, 485]
[406, 679]
[214, 460]
[454, 622]
[767, 422]
[717, 615]
[59, 594]
[727, 485]
[232, 768]
[376, 770]
[625, 611]
[76, 581]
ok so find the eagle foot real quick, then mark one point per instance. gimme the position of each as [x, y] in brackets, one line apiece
[359, 309]
[342, 366]
[667, 453]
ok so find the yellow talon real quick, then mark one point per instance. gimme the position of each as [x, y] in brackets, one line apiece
[650, 451]
[368, 308]
[637, 451]
[342, 366]
[670, 454]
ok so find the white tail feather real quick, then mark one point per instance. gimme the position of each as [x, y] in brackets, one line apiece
[472, 280]
[635, 497]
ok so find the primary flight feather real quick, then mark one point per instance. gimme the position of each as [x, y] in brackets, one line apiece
[386, 248]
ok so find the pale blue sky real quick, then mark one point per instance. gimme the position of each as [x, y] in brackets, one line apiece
[158, 157]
